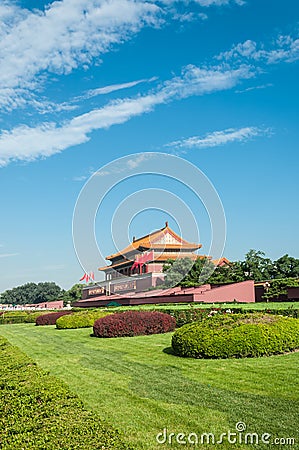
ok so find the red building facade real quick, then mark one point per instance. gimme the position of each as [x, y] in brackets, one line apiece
[136, 269]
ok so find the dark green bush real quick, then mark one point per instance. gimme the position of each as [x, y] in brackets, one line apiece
[39, 412]
[237, 335]
[82, 319]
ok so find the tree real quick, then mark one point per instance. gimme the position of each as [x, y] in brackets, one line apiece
[45, 292]
[73, 294]
[285, 267]
[278, 287]
[176, 270]
[230, 273]
[200, 272]
[185, 272]
[256, 267]
[31, 293]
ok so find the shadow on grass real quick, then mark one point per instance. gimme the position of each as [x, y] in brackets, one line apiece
[169, 351]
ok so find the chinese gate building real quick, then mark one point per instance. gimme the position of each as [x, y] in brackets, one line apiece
[136, 269]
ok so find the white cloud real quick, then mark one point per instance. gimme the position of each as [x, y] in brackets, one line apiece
[80, 178]
[219, 2]
[284, 49]
[67, 34]
[207, 3]
[11, 99]
[28, 143]
[6, 255]
[124, 167]
[218, 138]
[198, 81]
[136, 161]
[253, 88]
[116, 87]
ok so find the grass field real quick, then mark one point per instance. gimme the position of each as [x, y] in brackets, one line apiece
[141, 388]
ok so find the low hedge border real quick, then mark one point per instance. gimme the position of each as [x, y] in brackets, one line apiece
[184, 316]
[82, 319]
[133, 323]
[39, 411]
[11, 317]
[237, 336]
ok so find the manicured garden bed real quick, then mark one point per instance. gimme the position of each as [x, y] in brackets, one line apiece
[40, 412]
[81, 319]
[237, 335]
[137, 384]
[133, 323]
[50, 318]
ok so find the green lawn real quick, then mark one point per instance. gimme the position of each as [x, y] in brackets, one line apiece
[141, 388]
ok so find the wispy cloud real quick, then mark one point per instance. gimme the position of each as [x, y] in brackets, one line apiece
[199, 81]
[120, 167]
[219, 2]
[71, 33]
[6, 255]
[253, 88]
[132, 163]
[217, 138]
[207, 3]
[28, 143]
[285, 48]
[116, 87]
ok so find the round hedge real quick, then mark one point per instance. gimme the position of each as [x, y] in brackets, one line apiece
[50, 318]
[82, 319]
[237, 336]
[133, 323]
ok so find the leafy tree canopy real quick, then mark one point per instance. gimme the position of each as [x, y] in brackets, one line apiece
[279, 287]
[285, 267]
[73, 294]
[32, 293]
[185, 272]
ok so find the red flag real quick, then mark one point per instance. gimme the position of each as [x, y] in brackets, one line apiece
[148, 256]
[86, 277]
[83, 278]
[142, 259]
[136, 264]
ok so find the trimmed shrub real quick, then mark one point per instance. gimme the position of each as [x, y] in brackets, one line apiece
[50, 318]
[237, 336]
[79, 320]
[39, 412]
[133, 323]
[11, 317]
[184, 316]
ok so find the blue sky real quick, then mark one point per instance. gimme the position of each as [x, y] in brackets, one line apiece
[84, 83]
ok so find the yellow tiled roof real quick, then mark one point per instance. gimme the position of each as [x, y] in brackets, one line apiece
[148, 242]
[162, 257]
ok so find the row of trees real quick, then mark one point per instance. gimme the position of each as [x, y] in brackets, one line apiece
[255, 266]
[39, 293]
